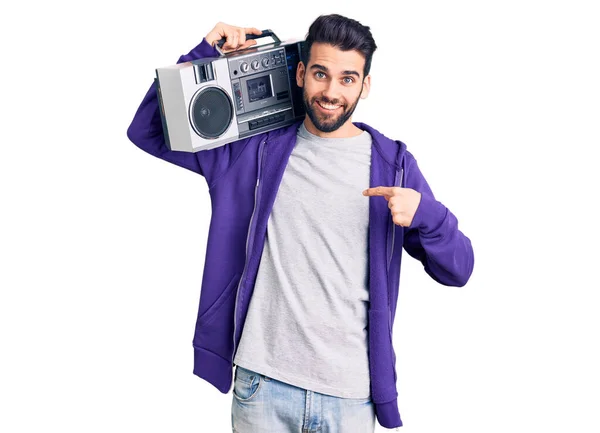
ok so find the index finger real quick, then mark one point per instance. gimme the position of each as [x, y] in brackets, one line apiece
[379, 190]
[252, 30]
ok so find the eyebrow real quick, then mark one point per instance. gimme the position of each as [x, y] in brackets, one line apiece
[324, 69]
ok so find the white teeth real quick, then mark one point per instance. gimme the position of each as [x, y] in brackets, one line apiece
[328, 106]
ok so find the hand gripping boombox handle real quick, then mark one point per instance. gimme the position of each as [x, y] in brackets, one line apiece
[265, 33]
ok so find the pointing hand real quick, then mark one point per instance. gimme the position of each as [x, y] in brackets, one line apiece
[403, 202]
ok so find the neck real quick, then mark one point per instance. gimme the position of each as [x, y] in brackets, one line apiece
[347, 130]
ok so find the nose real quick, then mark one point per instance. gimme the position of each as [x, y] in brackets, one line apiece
[332, 91]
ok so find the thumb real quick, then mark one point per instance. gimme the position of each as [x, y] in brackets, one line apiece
[248, 43]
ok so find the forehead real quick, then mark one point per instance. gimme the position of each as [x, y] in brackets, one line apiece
[335, 59]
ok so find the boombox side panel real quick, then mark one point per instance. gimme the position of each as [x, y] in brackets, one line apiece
[174, 101]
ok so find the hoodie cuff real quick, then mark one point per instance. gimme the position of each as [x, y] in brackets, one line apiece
[387, 414]
[429, 214]
[203, 49]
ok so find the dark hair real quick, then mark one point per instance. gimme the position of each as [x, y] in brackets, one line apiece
[343, 33]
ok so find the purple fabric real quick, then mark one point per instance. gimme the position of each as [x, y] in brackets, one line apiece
[232, 174]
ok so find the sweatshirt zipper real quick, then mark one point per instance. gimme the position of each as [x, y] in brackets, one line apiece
[397, 182]
[391, 225]
[248, 242]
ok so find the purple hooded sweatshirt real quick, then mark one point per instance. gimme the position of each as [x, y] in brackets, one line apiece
[243, 178]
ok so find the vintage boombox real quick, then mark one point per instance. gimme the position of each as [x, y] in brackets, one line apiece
[213, 101]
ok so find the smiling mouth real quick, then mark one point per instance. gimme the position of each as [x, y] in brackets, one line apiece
[328, 107]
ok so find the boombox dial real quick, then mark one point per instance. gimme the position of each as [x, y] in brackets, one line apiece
[252, 63]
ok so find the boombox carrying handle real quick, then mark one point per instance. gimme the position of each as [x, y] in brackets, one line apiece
[264, 34]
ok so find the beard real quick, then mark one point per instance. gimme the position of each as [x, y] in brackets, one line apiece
[327, 122]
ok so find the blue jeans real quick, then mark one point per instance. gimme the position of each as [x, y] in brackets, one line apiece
[262, 404]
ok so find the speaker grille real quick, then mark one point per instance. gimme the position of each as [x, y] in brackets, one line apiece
[211, 112]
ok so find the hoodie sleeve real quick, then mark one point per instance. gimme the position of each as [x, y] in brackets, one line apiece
[433, 237]
[146, 130]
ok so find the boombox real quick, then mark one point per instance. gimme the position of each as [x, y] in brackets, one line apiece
[213, 101]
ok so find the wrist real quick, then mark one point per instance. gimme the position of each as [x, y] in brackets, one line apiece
[212, 39]
[429, 215]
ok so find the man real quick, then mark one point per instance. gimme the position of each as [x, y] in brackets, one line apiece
[304, 248]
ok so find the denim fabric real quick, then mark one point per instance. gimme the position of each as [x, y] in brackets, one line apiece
[262, 404]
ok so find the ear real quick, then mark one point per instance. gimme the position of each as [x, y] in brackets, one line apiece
[366, 87]
[300, 74]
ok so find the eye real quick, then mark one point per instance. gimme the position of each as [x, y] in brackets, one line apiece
[350, 80]
[319, 74]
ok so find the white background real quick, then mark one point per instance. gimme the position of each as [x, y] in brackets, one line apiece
[102, 245]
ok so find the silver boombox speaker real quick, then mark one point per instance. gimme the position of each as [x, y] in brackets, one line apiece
[213, 101]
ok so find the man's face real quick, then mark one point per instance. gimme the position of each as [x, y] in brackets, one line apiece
[332, 84]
